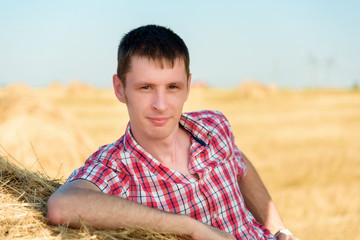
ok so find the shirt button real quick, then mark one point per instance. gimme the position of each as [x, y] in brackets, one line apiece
[209, 134]
[215, 216]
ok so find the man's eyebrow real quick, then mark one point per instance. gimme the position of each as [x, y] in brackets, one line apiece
[173, 82]
[176, 83]
[142, 83]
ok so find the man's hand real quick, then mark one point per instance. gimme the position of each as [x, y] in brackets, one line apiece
[284, 236]
[205, 232]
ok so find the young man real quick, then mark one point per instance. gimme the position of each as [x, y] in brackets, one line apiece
[171, 171]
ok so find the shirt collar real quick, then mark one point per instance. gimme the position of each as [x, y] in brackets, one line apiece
[191, 124]
[131, 146]
[196, 128]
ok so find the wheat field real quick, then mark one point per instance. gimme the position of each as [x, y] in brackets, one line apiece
[305, 144]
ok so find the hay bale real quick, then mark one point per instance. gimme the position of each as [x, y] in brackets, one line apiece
[253, 89]
[55, 89]
[23, 197]
[55, 86]
[42, 136]
[202, 84]
[76, 87]
[17, 87]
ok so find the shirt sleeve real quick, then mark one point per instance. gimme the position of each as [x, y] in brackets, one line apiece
[240, 160]
[108, 180]
[237, 153]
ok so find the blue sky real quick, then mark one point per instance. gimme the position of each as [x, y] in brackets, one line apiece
[290, 43]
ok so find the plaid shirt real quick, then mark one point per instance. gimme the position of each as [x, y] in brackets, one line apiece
[125, 169]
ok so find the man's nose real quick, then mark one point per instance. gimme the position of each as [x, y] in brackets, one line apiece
[160, 101]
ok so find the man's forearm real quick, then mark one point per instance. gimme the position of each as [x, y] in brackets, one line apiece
[82, 200]
[258, 200]
[100, 210]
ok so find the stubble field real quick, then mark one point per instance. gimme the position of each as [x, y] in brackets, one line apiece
[305, 144]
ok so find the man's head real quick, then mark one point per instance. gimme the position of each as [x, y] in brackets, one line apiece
[153, 80]
[154, 42]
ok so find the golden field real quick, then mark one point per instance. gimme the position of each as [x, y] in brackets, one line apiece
[305, 144]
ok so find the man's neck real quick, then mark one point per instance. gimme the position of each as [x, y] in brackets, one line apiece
[173, 152]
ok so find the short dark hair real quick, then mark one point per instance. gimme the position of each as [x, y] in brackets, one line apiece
[153, 42]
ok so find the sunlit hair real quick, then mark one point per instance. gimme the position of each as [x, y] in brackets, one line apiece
[153, 42]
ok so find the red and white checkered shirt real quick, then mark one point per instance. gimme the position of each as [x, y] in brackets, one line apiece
[125, 169]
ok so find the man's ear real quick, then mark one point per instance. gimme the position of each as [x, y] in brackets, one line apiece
[119, 89]
[188, 87]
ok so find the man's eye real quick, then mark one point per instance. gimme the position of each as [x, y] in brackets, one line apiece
[145, 87]
[172, 87]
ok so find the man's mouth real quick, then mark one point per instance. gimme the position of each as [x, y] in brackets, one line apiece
[159, 121]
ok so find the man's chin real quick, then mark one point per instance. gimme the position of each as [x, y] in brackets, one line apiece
[159, 133]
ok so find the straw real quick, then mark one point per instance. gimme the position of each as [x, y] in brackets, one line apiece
[23, 197]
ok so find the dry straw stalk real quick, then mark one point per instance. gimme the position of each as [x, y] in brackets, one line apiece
[23, 197]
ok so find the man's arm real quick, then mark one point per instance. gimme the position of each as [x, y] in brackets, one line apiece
[259, 202]
[82, 199]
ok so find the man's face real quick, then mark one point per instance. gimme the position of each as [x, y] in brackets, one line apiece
[154, 96]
